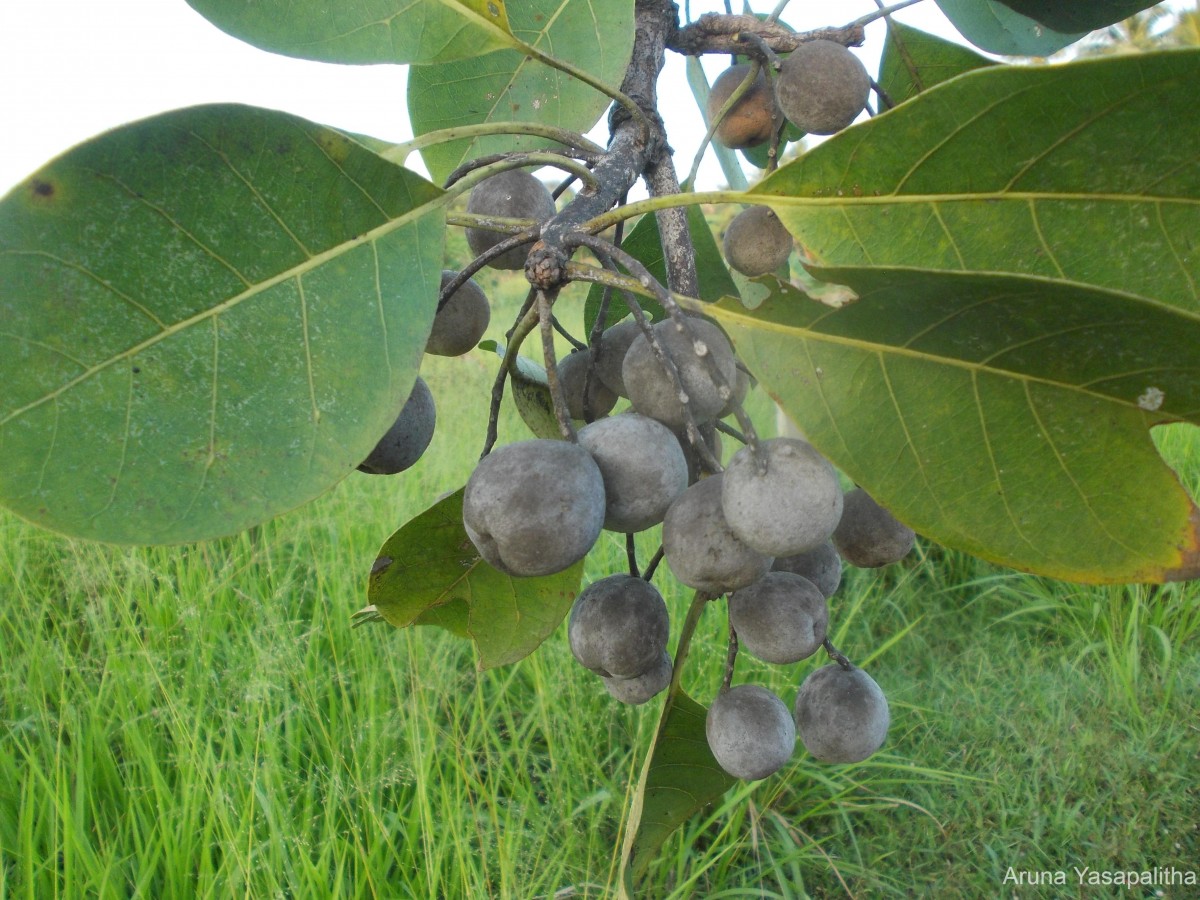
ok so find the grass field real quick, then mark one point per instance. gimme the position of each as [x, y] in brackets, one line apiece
[201, 721]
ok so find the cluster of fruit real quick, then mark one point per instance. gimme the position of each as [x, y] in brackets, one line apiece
[820, 88]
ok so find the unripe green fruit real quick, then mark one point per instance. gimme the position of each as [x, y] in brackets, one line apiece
[461, 322]
[534, 507]
[514, 194]
[750, 732]
[573, 377]
[841, 714]
[791, 507]
[643, 466]
[614, 344]
[821, 565]
[822, 87]
[409, 436]
[700, 547]
[619, 626]
[636, 691]
[756, 242]
[753, 119]
[650, 388]
[781, 618]
[868, 536]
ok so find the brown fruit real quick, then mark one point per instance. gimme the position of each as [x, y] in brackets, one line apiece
[822, 87]
[753, 119]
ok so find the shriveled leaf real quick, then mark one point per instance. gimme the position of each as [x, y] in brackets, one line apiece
[209, 318]
[993, 172]
[1078, 15]
[512, 86]
[369, 31]
[644, 244]
[680, 779]
[1003, 416]
[992, 26]
[429, 573]
[914, 61]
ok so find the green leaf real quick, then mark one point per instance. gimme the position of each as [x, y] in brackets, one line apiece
[209, 317]
[680, 779]
[644, 244]
[429, 573]
[512, 86]
[914, 61]
[369, 31]
[1078, 15]
[530, 390]
[1003, 416]
[994, 27]
[993, 172]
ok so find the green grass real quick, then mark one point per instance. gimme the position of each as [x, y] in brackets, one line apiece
[201, 721]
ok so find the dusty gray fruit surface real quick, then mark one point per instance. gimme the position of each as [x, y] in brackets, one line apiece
[753, 119]
[643, 467]
[534, 507]
[711, 438]
[868, 536]
[650, 388]
[841, 714]
[614, 344]
[573, 376]
[821, 565]
[791, 507]
[514, 194]
[750, 732]
[619, 626]
[701, 549]
[461, 323]
[781, 618]
[822, 87]
[407, 439]
[756, 242]
[636, 691]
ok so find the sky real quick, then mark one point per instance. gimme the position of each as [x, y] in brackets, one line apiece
[74, 68]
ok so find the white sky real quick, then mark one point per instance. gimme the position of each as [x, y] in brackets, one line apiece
[73, 68]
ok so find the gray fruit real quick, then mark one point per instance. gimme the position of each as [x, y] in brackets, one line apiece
[534, 507]
[750, 732]
[822, 87]
[636, 691]
[821, 565]
[781, 618]
[614, 344]
[841, 714]
[643, 467]
[756, 242]
[573, 376]
[409, 436]
[868, 536]
[650, 388]
[461, 322]
[514, 194]
[619, 626]
[753, 119]
[700, 547]
[741, 387]
[791, 507]
[712, 440]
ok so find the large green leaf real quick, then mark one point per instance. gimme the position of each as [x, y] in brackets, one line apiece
[994, 171]
[644, 244]
[1078, 15]
[681, 777]
[367, 31]
[512, 86]
[429, 573]
[207, 318]
[992, 26]
[914, 61]
[1004, 416]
